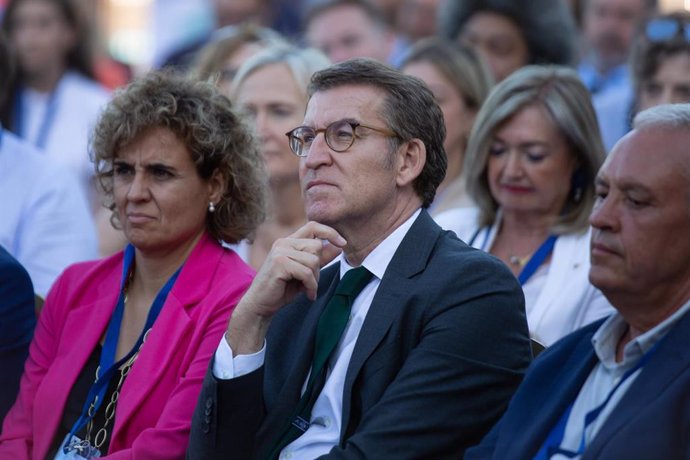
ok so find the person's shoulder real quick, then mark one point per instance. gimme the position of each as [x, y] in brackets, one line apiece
[12, 272]
[577, 342]
[24, 161]
[97, 269]
[574, 244]
[18, 151]
[85, 90]
[226, 268]
[233, 266]
[461, 221]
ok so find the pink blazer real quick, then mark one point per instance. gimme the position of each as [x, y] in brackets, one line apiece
[158, 397]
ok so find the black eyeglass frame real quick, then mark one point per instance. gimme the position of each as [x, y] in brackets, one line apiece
[299, 147]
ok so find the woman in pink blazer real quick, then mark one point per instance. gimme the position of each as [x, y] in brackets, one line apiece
[122, 344]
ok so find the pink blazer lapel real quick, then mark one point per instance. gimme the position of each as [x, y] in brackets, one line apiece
[161, 353]
[82, 330]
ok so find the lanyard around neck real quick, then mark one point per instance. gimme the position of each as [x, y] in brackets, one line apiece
[538, 258]
[48, 116]
[552, 445]
[107, 363]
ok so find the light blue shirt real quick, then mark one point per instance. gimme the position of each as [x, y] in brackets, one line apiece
[45, 221]
[596, 82]
[607, 373]
[612, 97]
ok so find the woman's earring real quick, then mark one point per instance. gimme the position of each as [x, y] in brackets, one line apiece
[211, 207]
[578, 194]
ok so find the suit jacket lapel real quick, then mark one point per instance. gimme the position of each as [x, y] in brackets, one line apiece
[84, 326]
[172, 324]
[547, 404]
[410, 259]
[292, 389]
[671, 358]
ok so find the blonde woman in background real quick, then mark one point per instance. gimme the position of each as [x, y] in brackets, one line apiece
[270, 89]
[230, 46]
[460, 82]
[531, 162]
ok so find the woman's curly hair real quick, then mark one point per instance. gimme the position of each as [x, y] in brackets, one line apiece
[203, 119]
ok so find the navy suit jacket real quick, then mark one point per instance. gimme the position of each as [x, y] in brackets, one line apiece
[651, 421]
[17, 323]
[443, 347]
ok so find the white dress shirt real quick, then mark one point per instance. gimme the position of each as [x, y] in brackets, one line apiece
[46, 223]
[326, 417]
[78, 103]
[607, 373]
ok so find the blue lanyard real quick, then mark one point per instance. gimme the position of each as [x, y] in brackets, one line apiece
[106, 364]
[537, 259]
[534, 262]
[553, 442]
[46, 123]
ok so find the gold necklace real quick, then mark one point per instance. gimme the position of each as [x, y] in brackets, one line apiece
[519, 261]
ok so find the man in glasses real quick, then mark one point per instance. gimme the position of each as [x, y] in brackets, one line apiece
[409, 344]
[619, 388]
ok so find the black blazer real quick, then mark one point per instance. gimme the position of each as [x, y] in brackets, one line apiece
[444, 345]
[17, 323]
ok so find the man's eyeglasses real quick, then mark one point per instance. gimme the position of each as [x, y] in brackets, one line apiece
[340, 135]
[663, 29]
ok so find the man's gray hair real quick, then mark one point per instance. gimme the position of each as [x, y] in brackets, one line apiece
[664, 116]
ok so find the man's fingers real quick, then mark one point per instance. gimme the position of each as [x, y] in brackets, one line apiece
[315, 230]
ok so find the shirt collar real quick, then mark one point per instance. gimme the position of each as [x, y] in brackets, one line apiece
[378, 259]
[605, 339]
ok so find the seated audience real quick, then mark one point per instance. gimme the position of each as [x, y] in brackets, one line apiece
[460, 83]
[609, 28]
[54, 101]
[661, 62]
[618, 388]
[220, 59]
[346, 29]
[46, 224]
[530, 165]
[271, 91]
[122, 344]
[510, 34]
[17, 322]
[434, 338]
[416, 19]
[226, 13]
[615, 54]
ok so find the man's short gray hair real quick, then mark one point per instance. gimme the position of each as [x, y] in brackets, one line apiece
[670, 116]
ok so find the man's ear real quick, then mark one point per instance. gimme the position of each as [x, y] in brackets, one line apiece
[412, 158]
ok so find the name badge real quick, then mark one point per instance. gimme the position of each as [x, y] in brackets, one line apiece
[77, 449]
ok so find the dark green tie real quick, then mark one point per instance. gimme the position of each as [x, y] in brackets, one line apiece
[331, 325]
